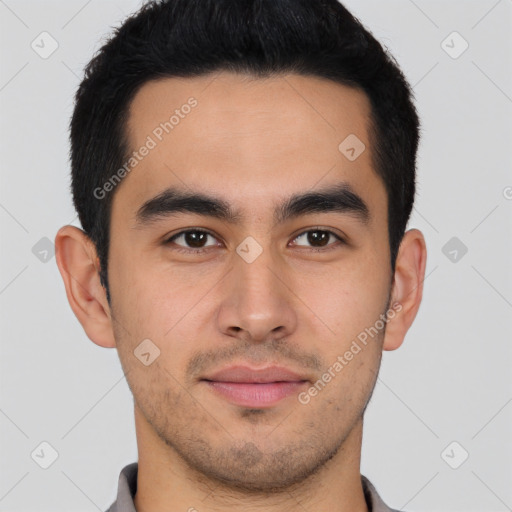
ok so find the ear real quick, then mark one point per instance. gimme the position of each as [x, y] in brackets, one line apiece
[407, 288]
[79, 267]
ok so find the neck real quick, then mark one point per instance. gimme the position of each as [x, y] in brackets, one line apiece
[166, 482]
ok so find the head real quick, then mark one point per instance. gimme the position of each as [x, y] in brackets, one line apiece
[286, 136]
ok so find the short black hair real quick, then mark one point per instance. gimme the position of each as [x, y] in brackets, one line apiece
[190, 38]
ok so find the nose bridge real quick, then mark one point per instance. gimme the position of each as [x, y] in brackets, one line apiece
[258, 281]
[257, 299]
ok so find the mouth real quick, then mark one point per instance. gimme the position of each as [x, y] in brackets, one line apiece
[256, 388]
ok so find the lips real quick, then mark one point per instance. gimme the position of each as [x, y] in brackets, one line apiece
[253, 375]
[255, 388]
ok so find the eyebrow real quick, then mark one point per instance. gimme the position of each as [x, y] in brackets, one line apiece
[335, 198]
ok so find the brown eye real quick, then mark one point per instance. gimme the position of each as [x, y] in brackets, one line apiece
[316, 238]
[192, 239]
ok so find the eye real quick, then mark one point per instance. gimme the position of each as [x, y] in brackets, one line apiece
[193, 240]
[318, 238]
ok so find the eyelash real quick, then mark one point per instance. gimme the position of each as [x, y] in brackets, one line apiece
[203, 250]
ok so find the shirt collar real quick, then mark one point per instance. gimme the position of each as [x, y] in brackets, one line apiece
[127, 488]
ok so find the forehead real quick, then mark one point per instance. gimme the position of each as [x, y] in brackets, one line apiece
[246, 138]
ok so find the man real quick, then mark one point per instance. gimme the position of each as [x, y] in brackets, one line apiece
[244, 172]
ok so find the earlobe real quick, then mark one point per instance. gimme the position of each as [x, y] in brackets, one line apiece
[77, 260]
[407, 289]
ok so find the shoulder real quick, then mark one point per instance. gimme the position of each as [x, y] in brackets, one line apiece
[374, 501]
[127, 487]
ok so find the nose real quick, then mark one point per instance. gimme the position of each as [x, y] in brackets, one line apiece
[257, 304]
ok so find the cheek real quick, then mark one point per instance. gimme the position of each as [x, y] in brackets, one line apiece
[148, 296]
[343, 300]
[162, 306]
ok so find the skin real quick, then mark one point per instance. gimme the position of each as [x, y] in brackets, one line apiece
[253, 143]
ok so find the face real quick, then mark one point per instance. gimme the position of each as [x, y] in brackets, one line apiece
[249, 273]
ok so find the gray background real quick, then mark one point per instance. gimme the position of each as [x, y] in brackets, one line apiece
[450, 381]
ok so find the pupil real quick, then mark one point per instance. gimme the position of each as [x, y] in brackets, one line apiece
[318, 236]
[195, 238]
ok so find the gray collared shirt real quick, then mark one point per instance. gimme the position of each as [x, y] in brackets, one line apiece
[128, 487]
